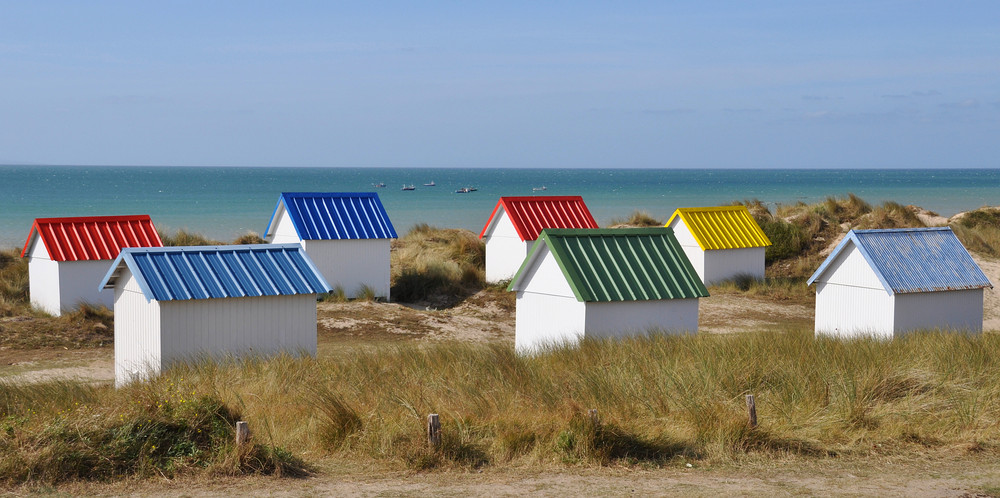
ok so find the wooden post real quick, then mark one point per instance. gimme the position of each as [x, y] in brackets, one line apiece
[242, 432]
[433, 430]
[752, 410]
[592, 414]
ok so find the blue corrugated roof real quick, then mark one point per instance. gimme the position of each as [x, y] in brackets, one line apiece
[205, 272]
[334, 215]
[910, 260]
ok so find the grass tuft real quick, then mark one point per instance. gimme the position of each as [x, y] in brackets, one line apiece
[436, 265]
[636, 219]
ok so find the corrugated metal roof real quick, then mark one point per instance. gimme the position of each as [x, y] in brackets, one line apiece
[909, 260]
[335, 215]
[205, 272]
[722, 227]
[623, 264]
[91, 238]
[531, 215]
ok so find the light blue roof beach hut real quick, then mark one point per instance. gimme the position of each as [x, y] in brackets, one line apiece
[179, 303]
[347, 235]
[889, 282]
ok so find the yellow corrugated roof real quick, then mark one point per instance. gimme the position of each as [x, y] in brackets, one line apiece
[723, 227]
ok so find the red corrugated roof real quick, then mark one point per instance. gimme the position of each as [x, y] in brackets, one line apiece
[89, 238]
[531, 215]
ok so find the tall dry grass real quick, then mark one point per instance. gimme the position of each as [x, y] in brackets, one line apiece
[979, 231]
[661, 401]
[636, 219]
[438, 265]
[13, 283]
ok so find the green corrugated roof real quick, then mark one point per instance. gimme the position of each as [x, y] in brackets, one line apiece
[620, 264]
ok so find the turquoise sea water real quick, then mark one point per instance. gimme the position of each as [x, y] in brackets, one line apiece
[225, 202]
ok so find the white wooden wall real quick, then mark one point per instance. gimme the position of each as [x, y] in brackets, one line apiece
[725, 264]
[284, 230]
[848, 311]
[80, 282]
[59, 287]
[137, 332]
[351, 264]
[630, 318]
[237, 326]
[547, 312]
[959, 310]
[505, 251]
[43, 280]
[690, 246]
[851, 300]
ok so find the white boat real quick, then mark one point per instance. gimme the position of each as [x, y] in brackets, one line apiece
[431, 184]
[543, 187]
[409, 187]
[378, 185]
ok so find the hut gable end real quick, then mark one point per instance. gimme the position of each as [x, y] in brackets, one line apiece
[851, 269]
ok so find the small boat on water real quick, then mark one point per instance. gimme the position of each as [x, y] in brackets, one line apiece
[378, 185]
[409, 187]
[463, 190]
[543, 187]
[431, 184]
[472, 189]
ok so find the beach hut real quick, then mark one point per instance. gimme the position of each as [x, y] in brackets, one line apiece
[347, 235]
[68, 256]
[183, 303]
[516, 222]
[598, 283]
[889, 282]
[722, 242]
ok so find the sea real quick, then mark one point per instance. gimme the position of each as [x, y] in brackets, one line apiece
[226, 202]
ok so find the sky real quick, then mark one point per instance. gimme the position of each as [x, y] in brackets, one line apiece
[661, 84]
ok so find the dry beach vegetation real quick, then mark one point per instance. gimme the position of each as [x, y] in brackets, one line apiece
[914, 416]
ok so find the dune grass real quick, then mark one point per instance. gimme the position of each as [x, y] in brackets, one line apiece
[661, 401]
[636, 219]
[437, 265]
[13, 283]
[63, 431]
[979, 231]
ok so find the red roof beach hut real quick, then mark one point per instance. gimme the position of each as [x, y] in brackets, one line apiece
[516, 222]
[67, 257]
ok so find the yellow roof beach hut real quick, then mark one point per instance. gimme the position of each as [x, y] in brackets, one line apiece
[722, 242]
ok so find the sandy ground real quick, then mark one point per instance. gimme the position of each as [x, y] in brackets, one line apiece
[939, 477]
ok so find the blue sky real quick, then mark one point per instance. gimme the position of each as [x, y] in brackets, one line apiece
[501, 84]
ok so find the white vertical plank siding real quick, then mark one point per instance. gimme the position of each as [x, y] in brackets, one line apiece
[547, 311]
[849, 311]
[284, 230]
[545, 319]
[505, 251]
[352, 264]
[694, 252]
[252, 326]
[137, 333]
[620, 319]
[79, 283]
[43, 280]
[959, 310]
[720, 265]
[850, 268]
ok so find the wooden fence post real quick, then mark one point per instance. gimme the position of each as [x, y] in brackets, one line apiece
[433, 430]
[594, 420]
[752, 410]
[242, 432]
